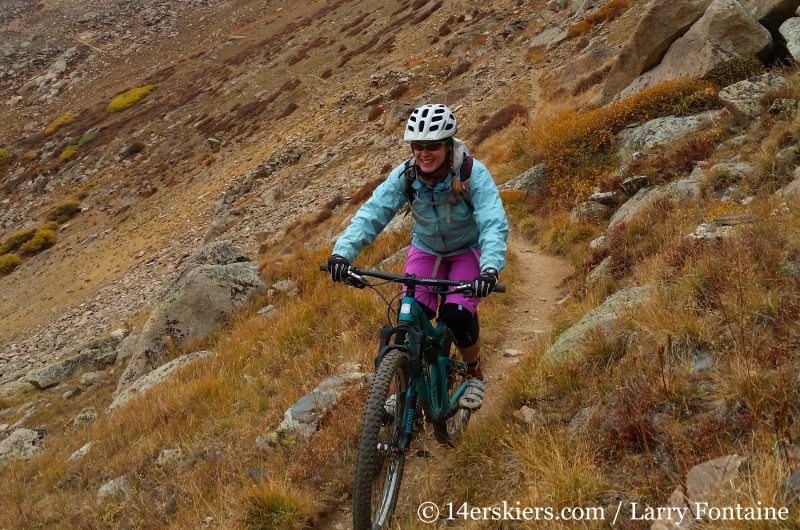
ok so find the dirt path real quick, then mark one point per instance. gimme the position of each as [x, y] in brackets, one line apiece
[536, 293]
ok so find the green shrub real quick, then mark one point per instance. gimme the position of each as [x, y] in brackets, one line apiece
[43, 239]
[8, 263]
[88, 137]
[129, 98]
[13, 242]
[4, 156]
[65, 211]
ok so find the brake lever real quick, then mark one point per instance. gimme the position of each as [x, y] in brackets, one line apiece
[355, 280]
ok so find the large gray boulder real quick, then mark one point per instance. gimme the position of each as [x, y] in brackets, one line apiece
[531, 181]
[199, 302]
[743, 99]
[88, 358]
[704, 484]
[303, 417]
[678, 191]
[585, 64]
[724, 32]
[662, 23]
[790, 31]
[772, 13]
[662, 130]
[22, 444]
[600, 318]
[154, 378]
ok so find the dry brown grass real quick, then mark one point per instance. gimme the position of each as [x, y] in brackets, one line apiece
[609, 12]
[213, 411]
[365, 191]
[500, 120]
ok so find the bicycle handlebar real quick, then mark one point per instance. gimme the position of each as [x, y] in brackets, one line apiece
[414, 280]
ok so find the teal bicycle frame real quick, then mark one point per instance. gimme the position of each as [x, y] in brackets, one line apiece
[423, 343]
[431, 388]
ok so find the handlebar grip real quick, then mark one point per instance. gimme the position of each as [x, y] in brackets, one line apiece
[499, 288]
[323, 267]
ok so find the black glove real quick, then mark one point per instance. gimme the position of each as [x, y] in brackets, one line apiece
[337, 267]
[484, 284]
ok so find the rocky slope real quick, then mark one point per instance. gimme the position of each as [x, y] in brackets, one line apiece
[265, 112]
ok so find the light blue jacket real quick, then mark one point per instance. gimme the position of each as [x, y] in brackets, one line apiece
[447, 228]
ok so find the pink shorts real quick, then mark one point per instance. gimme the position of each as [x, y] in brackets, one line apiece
[464, 266]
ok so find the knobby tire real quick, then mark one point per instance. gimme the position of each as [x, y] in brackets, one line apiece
[378, 473]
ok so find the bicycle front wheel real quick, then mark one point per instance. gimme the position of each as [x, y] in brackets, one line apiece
[379, 465]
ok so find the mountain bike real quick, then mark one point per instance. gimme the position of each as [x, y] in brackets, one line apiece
[416, 374]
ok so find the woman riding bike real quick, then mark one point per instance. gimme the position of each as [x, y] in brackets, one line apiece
[459, 233]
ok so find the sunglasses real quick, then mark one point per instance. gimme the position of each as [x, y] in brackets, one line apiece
[430, 146]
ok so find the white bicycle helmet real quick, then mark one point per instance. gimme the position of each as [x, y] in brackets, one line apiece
[433, 121]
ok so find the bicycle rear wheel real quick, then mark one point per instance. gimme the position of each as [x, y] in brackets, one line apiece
[449, 431]
[379, 466]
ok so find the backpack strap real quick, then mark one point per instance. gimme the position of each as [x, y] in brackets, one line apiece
[463, 175]
[410, 173]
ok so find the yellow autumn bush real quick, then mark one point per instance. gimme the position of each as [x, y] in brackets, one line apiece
[8, 262]
[43, 239]
[4, 156]
[577, 147]
[129, 98]
[68, 152]
[58, 122]
[64, 211]
[13, 241]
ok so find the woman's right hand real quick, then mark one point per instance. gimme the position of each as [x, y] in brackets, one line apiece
[337, 267]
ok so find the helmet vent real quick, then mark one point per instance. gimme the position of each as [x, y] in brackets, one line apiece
[430, 122]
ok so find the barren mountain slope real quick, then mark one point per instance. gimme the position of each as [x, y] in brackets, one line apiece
[292, 84]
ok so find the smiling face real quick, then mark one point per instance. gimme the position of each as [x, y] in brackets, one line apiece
[430, 156]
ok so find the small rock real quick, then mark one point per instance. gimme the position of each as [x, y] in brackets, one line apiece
[168, 455]
[257, 473]
[511, 353]
[81, 452]
[268, 311]
[119, 334]
[598, 243]
[349, 368]
[703, 361]
[69, 394]
[791, 488]
[88, 379]
[606, 198]
[263, 446]
[118, 488]
[530, 416]
[633, 184]
[22, 444]
[287, 287]
[590, 212]
[171, 506]
[86, 416]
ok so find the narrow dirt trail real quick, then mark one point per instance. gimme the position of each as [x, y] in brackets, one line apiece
[536, 293]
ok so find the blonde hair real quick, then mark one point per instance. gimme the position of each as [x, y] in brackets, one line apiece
[456, 186]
